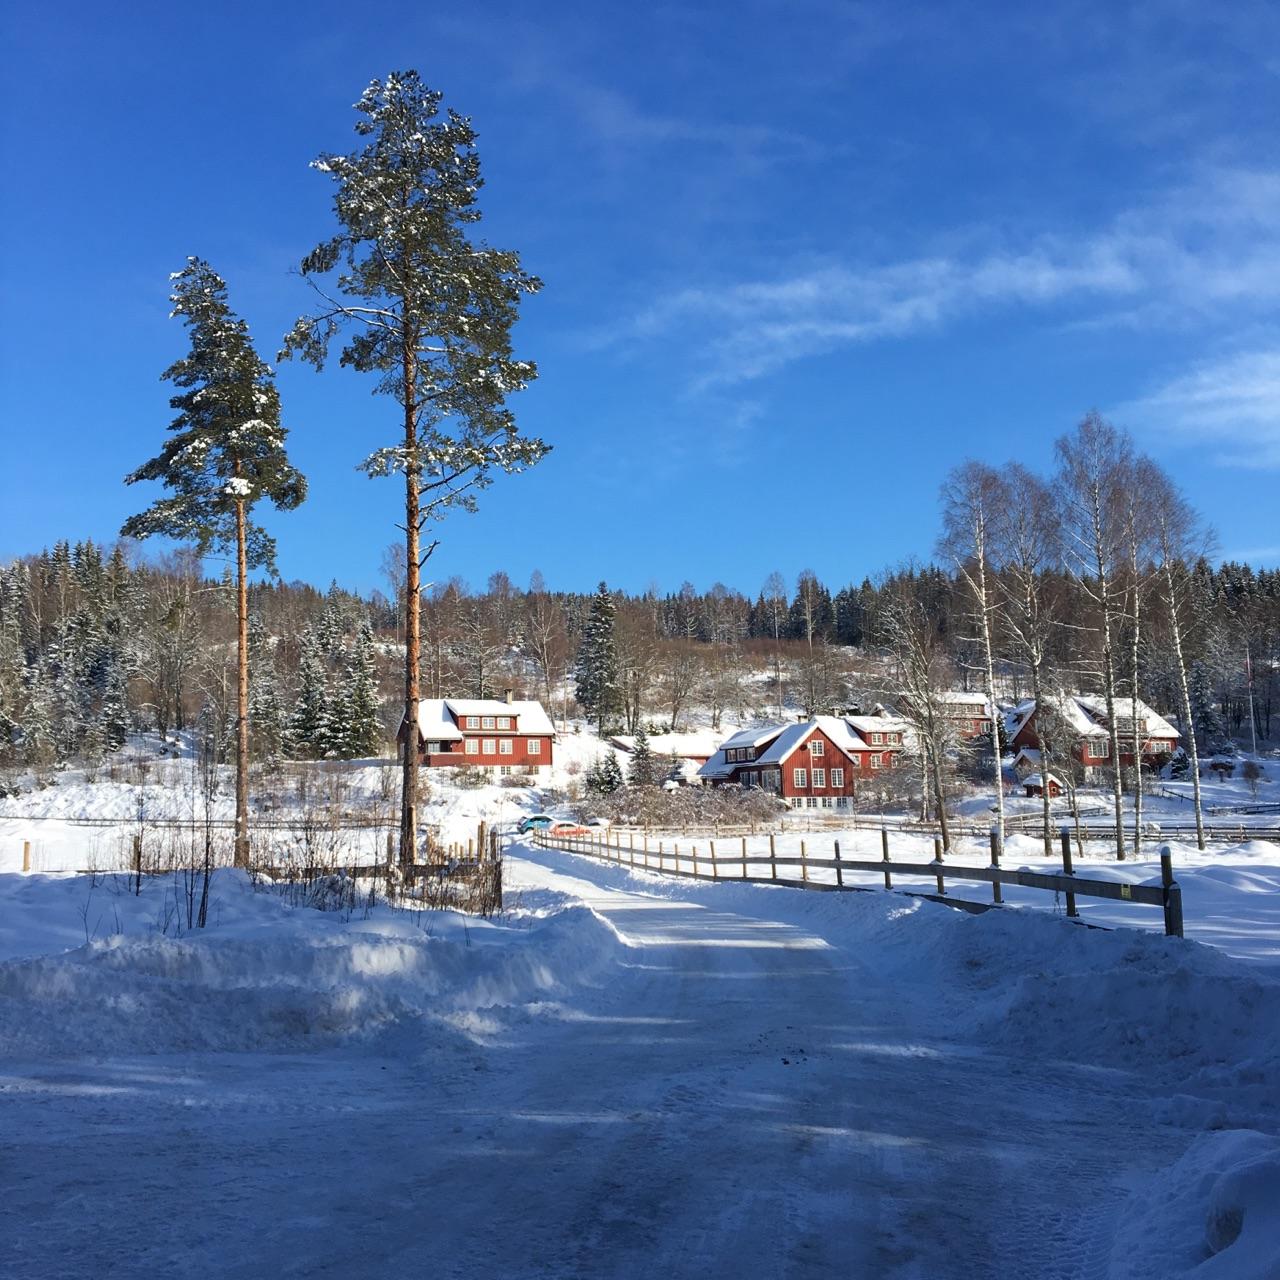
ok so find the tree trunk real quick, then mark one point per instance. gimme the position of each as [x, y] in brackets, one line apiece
[1138, 736]
[413, 617]
[1188, 725]
[1108, 669]
[242, 691]
[980, 547]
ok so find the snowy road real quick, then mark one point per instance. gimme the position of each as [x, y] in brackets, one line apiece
[738, 1095]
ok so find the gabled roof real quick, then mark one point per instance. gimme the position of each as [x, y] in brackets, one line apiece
[1086, 713]
[438, 717]
[700, 745]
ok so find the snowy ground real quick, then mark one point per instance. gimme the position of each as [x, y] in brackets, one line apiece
[627, 1076]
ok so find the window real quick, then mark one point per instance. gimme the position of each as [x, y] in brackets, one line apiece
[817, 747]
[875, 761]
[894, 739]
[431, 748]
[800, 777]
[534, 746]
[490, 745]
[752, 778]
[504, 722]
[486, 722]
[837, 778]
[473, 746]
[819, 777]
[877, 739]
[842, 802]
[504, 746]
[826, 802]
[812, 802]
[473, 722]
[505, 771]
[535, 768]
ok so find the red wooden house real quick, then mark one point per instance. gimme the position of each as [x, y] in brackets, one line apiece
[818, 763]
[502, 736]
[1085, 719]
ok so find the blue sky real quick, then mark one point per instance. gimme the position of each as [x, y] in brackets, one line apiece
[800, 259]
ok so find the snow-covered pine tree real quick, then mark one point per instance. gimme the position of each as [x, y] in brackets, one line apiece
[226, 452]
[611, 778]
[433, 311]
[644, 768]
[266, 714]
[363, 735]
[309, 723]
[599, 691]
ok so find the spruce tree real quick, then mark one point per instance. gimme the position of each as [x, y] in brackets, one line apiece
[309, 729]
[364, 721]
[226, 452]
[432, 311]
[644, 768]
[599, 689]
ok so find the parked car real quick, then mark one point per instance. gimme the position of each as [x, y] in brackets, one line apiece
[598, 822]
[568, 829]
[535, 822]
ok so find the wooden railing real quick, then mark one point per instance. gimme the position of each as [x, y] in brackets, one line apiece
[734, 861]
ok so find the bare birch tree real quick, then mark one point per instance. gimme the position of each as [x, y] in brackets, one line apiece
[1094, 466]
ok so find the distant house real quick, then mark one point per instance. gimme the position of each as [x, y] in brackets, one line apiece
[503, 736]
[1035, 783]
[1085, 716]
[813, 764]
[970, 712]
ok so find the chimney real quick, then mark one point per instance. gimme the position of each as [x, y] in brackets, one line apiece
[508, 696]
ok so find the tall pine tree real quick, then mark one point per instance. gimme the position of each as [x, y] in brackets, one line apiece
[432, 311]
[226, 453]
[599, 689]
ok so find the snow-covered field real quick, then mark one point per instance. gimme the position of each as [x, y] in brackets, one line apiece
[627, 1076]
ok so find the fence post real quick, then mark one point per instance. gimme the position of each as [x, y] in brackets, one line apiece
[1172, 895]
[26, 856]
[773, 865]
[661, 859]
[715, 874]
[1064, 835]
[937, 862]
[804, 863]
[997, 890]
[631, 844]
[884, 849]
[839, 869]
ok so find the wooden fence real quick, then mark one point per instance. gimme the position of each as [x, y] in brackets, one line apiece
[734, 861]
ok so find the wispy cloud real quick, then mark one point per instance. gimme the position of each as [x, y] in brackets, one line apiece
[1229, 404]
[1212, 246]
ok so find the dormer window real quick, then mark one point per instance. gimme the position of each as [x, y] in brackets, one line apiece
[877, 739]
[473, 722]
[504, 722]
[486, 722]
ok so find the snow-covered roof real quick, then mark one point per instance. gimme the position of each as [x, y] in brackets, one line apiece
[438, 717]
[865, 725]
[692, 745]
[755, 736]
[1034, 780]
[1086, 713]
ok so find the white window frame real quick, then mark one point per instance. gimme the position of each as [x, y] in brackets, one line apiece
[826, 802]
[875, 760]
[799, 777]
[489, 746]
[504, 722]
[837, 778]
[877, 739]
[534, 746]
[817, 747]
[486, 722]
[505, 747]
[894, 739]
[505, 770]
[471, 747]
[811, 802]
[842, 802]
[473, 722]
[820, 779]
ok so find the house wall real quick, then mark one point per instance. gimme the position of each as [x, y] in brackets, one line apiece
[520, 756]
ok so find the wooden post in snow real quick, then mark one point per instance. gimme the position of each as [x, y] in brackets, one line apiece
[26, 856]
[839, 868]
[884, 849]
[773, 865]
